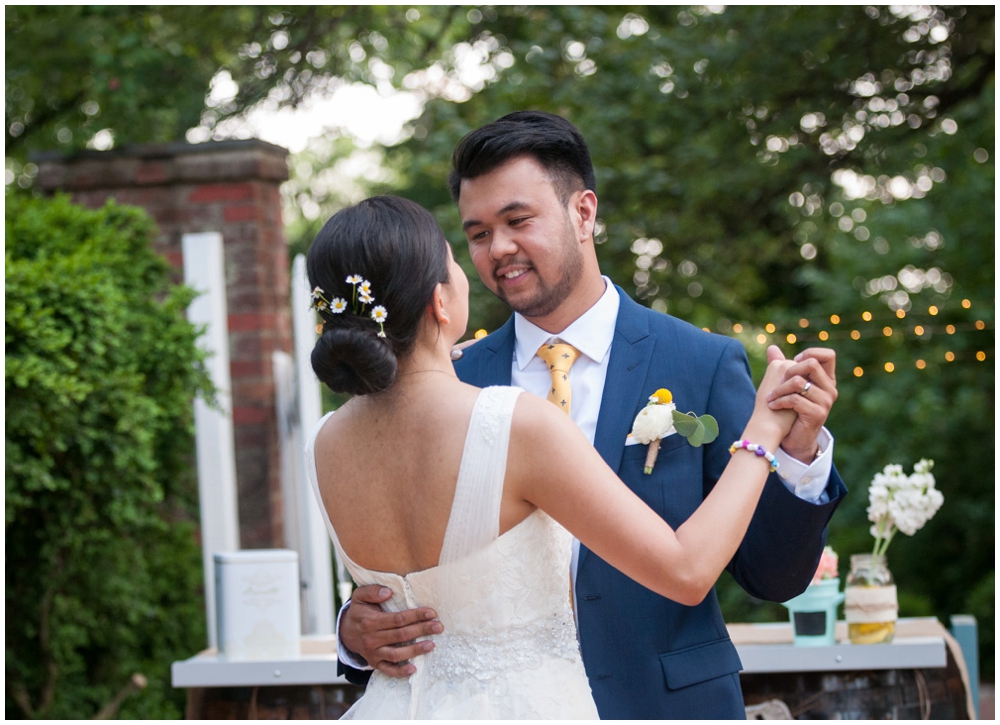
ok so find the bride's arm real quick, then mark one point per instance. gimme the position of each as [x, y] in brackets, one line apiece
[552, 465]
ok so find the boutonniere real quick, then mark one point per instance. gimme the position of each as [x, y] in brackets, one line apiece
[660, 418]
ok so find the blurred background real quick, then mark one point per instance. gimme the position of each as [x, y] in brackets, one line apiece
[804, 176]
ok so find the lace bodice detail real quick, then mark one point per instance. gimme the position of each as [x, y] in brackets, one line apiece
[503, 599]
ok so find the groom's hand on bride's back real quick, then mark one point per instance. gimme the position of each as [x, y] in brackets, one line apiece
[385, 639]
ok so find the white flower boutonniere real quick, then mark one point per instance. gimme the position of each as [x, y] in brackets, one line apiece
[660, 418]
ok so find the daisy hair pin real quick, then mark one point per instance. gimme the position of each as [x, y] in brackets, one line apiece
[361, 297]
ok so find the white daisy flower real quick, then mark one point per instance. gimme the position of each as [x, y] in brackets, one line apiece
[366, 287]
[338, 305]
[380, 316]
[366, 298]
[354, 279]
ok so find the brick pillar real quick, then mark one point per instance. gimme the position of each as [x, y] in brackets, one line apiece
[229, 187]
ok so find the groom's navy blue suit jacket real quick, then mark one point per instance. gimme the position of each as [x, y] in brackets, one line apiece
[647, 656]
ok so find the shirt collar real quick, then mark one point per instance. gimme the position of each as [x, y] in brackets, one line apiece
[591, 333]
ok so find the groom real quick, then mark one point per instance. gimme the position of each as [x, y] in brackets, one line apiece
[525, 191]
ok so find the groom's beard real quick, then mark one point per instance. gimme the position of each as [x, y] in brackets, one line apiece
[547, 297]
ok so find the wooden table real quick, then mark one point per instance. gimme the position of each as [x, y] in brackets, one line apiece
[920, 675]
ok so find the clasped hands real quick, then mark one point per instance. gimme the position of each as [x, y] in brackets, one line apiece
[810, 389]
[387, 640]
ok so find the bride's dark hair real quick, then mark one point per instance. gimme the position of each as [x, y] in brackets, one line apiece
[397, 246]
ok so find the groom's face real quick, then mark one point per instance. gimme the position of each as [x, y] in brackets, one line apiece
[522, 239]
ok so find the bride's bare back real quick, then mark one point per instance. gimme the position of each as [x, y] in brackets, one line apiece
[387, 469]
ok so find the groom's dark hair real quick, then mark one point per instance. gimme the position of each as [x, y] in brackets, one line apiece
[551, 140]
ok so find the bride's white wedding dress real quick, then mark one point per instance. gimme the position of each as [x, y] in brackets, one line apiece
[509, 647]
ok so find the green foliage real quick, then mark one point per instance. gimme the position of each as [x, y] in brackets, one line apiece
[143, 73]
[102, 564]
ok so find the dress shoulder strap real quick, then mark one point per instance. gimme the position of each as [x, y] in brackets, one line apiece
[474, 521]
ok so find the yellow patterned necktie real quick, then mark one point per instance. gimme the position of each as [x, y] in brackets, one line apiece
[560, 358]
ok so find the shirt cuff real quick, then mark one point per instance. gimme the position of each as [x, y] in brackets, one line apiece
[346, 656]
[808, 481]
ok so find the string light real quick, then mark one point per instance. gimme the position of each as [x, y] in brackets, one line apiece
[922, 332]
[480, 334]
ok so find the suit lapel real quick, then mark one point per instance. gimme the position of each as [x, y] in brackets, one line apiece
[624, 394]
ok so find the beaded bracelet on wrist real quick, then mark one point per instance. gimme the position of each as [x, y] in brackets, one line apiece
[757, 450]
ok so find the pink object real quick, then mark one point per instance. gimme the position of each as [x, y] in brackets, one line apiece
[827, 568]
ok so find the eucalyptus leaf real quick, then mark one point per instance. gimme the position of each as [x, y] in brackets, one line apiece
[698, 437]
[711, 426]
[685, 424]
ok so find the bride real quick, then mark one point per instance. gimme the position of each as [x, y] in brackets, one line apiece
[460, 499]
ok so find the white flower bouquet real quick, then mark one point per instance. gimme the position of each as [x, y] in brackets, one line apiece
[898, 502]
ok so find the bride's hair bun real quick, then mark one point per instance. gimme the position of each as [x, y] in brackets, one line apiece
[397, 248]
[353, 360]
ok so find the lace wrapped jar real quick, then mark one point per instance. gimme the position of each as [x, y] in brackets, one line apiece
[870, 605]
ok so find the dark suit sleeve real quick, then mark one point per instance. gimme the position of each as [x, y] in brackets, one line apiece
[355, 677]
[781, 549]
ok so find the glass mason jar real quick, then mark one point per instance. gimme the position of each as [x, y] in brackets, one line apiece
[870, 604]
